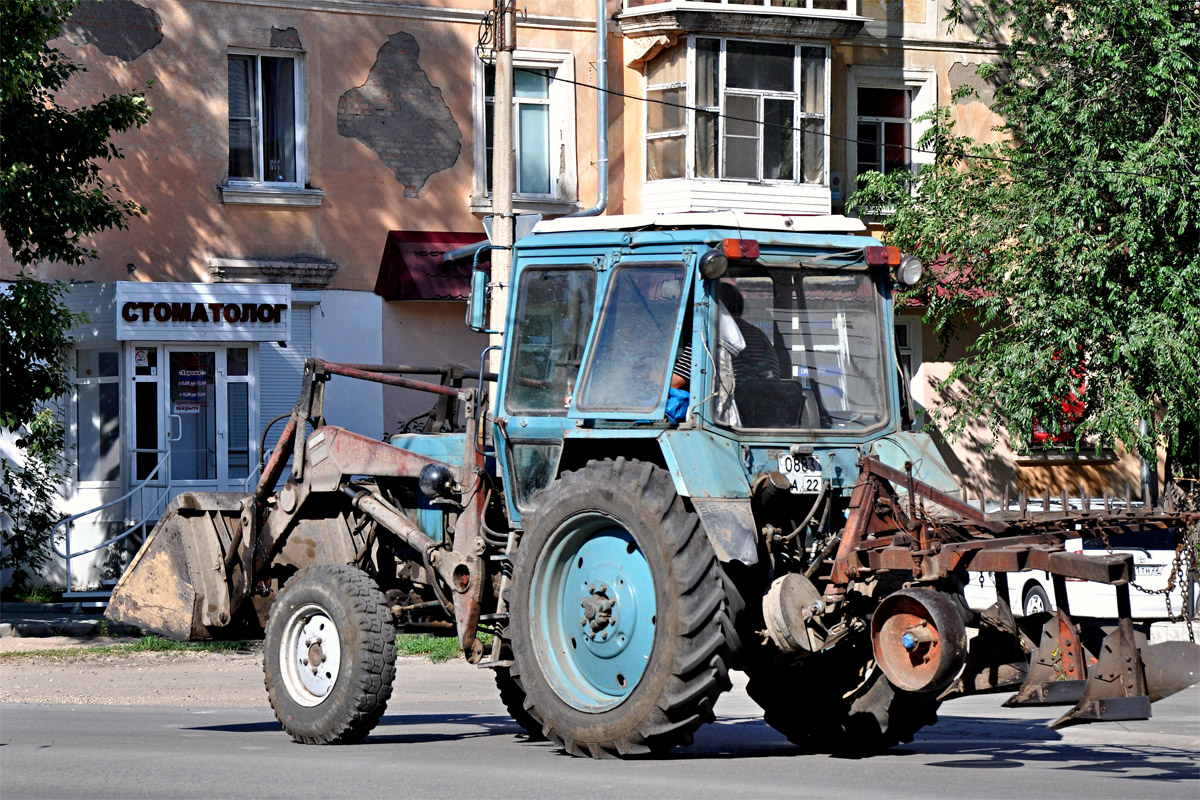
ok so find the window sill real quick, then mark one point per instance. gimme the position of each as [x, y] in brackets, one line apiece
[526, 205]
[740, 20]
[1066, 455]
[256, 194]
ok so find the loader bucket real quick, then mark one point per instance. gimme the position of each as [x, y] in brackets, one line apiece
[177, 584]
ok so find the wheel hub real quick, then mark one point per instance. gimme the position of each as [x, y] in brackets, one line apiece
[310, 656]
[595, 593]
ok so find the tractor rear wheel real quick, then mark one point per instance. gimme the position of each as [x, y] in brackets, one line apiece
[839, 700]
[619, 617]
[513, 697]
[329, 655]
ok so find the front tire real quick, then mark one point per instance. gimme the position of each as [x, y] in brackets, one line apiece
[1035, 602]
[329, 655]
[619, 613]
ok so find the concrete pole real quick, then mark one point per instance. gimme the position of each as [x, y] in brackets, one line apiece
[502, 172]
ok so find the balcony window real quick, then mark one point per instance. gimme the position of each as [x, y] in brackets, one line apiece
[752, 111]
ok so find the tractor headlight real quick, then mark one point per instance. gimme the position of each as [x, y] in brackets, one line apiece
[909, 270]
[713, 264]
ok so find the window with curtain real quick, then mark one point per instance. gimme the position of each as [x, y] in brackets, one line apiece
[264, 119]
[756, 111]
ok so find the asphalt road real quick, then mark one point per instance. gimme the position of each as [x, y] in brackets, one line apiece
[446, 735]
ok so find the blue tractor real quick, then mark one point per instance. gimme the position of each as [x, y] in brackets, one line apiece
[695, 455]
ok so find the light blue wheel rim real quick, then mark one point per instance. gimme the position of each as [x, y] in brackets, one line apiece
[593, 664]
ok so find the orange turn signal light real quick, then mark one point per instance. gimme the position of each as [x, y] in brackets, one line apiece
[879, 256]
[740, 248]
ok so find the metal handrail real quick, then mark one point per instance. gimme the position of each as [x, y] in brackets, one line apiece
[251, 480]
[141, 524]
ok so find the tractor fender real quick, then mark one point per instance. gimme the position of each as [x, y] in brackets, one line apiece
[709, 470]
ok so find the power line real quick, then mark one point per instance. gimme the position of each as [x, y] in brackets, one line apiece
[832, 136]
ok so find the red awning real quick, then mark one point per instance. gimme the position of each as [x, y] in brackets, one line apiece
[412, 267]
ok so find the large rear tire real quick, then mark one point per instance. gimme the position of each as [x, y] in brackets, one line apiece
[330, 655]
[513, 697]
[619, 615]
[839, 701]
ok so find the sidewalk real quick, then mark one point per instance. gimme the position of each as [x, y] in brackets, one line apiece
[58, 619]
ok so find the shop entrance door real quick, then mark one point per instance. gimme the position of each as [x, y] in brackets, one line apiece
[194, 419]
[195, 403]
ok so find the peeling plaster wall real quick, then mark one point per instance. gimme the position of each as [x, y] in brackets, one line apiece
[118, 28]
[401, 116]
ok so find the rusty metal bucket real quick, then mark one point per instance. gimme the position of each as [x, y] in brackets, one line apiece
[177, 585]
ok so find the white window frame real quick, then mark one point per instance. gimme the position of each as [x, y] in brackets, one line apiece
[914, 350]
[73, 425]
[799, 116]
[801, 6]
[922, 85]
[561, 102]
[258, 183]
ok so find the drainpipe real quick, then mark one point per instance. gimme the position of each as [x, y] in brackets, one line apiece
[601, 114]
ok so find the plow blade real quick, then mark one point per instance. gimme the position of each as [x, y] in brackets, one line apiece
[177, 585]
[1057, 671]
[1170, 667]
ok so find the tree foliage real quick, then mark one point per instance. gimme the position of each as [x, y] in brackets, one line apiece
[1073, 241]
[53, 196]
[52, 192]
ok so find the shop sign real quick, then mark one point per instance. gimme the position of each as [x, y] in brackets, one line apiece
[203, 312]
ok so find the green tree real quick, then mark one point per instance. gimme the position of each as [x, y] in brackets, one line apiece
[1072, 243]
[52, 192]
[53, 196]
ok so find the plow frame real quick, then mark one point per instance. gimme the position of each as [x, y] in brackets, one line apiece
[887, 533]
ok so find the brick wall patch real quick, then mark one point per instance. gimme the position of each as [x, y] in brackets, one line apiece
[401, 116]
[119, 28]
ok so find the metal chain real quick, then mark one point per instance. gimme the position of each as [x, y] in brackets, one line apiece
[1189, 544]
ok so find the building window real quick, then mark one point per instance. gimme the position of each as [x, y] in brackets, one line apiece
[543, 130]
[266, 131]
[908, 353]
[758, 112]
[97, 401]
[531, 128]
[884, 130]
[790, 5]
[886, 113]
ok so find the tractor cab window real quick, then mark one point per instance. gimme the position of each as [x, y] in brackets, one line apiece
[812, 354]
[554, 316]
[635, 340]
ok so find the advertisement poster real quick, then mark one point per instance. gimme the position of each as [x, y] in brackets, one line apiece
[192, 385]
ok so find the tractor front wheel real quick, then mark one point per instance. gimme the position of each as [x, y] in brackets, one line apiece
[329, 655]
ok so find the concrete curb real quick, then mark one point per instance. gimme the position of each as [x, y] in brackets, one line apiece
[1123, 738]
[79, 629]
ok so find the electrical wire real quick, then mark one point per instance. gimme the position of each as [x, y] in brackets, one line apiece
[852, 140]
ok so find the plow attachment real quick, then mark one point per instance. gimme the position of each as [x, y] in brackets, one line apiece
[887, 533]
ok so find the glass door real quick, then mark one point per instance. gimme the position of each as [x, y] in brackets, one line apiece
[147, 437]
[192, 419]
[199, 405]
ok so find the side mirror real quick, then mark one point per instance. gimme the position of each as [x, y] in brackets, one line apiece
[478, 301]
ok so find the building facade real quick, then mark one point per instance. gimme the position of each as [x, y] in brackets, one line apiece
[308, 162]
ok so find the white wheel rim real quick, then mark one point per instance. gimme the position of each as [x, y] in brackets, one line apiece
[310, 655]
[1034, 605]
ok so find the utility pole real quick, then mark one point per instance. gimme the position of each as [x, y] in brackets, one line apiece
[503, 221]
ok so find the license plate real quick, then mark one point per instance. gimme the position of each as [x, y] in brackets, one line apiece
[802, 472]
[1155, 569]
